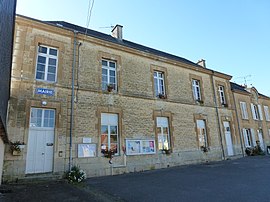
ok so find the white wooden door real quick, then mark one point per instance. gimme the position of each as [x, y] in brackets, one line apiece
[40, 145]
[260, 137]
[228, 137]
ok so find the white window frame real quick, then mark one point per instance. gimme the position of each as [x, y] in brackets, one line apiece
[42, 117]
[110, 120]
[243, 107]
[266, 112]
[249, 137]
[196, 86]
[47, 56]
[202, 133]
[159, 83]
[255, 111]
[108, 70]
[162, 123]
[222, 97]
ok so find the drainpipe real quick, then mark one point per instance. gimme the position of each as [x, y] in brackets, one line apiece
[72, 99]
[217, 113]
[238, 123]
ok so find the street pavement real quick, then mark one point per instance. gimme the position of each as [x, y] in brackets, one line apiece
[245, 179]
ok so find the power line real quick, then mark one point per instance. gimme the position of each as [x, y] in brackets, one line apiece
[90, 8]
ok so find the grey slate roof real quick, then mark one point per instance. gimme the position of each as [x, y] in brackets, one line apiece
[235, 86]
[123, 42]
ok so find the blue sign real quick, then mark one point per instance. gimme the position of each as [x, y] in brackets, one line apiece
[44, 91]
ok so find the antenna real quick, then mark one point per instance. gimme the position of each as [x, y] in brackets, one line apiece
[107, 27]
[245, 79]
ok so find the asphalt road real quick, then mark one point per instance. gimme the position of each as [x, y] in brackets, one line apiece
[246, 179]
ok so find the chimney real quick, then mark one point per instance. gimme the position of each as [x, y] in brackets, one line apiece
[117, 32]
[201, 62]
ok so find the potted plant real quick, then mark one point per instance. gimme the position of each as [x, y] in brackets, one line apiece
[166, 151]
[108, 153]
[110, 87]
[16, 147]
[224, 105]
[199, 101]
[162, 96]
[205, 148]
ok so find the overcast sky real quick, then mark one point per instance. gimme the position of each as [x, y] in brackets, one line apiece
[233, 36]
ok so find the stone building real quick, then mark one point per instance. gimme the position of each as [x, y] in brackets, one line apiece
[79, 95]
[252, 109]
[7, 16]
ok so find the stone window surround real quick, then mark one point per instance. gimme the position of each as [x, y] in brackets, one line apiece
[202, 117]
[169, 115]
[117, 59]
[110, 110]
[199, 78]
[41, 40]
[226, 93]
[154, 68]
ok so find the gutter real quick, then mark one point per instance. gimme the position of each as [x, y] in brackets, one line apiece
[238, 123]
[217, 114]
[72, 99]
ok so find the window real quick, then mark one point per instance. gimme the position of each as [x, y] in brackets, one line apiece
[46, 69]
[222, 95]
[256, 112]
[109, 133]
[196, 90]
[159, 83]
[266, 112]
[244, 112]
[249, 137]
[42, 118]
[202, 134]
[109, 75]
[163, 133]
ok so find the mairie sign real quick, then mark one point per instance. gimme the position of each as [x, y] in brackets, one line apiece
[45, 91]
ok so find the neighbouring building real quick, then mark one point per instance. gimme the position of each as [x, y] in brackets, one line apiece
[7, 16]
[79, 95]
[253, 116]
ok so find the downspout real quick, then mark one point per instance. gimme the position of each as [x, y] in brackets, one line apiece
[72, 99]
[238, 123]
[217, 113]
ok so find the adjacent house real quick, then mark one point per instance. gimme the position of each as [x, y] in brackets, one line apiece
[7, 16]
[253, 116]
[79, 96]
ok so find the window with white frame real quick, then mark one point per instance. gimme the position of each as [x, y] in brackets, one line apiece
[266, 112]
[256, 111]
[47, 59]
[109, 133]
[249, 137]
[244, 112]
[109, 79]
[222, 95]
[202, 133]
[196, 90]
[42, 118]
[163, 133]
[159, 83]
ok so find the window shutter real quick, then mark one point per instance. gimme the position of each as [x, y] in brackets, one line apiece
[244, 110]
[266, 112]
[245, 137]
[253, 137]
[260, 112]
[253, 111]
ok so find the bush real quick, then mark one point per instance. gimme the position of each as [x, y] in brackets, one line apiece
[75, 175]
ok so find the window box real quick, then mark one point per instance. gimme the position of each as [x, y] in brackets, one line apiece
[16, 147]
[162, 96]
[108, 153]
